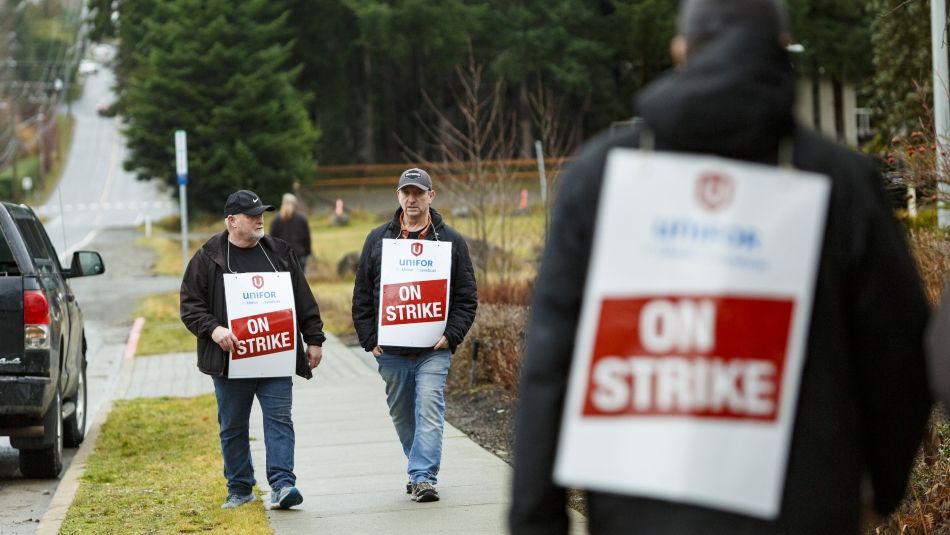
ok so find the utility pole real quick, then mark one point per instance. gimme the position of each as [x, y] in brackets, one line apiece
[16, 146]
[16, 149]
[40, 132]
[181, 170]
[938, 32]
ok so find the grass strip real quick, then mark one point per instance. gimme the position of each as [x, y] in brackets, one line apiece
[157, 469]
[163, 331]
[336, 306]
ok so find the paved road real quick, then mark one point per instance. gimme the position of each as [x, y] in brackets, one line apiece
[95, 192]
[100, 204]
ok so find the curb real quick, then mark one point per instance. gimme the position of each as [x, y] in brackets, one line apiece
[52, 520]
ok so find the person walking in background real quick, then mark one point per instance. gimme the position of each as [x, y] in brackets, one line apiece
[291, 226]
[205, 303]
[414, 300]
[661, 365]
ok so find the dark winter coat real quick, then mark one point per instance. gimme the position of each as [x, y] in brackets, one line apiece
[295, 231]
[203, 306]
[463, 296]
[863, 401]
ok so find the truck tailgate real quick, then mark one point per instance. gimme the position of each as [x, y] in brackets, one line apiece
[11, 325]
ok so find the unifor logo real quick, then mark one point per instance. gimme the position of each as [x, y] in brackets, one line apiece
[417, 249]
[257, 281]
[715, 190]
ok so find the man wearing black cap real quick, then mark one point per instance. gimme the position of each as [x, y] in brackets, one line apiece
[862, 401]
[243, 248]
[415, 376]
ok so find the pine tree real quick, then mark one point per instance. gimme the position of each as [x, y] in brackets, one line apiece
[218, 70]
[641, 30]
[903, 79]
[100, 22]
[836, 37]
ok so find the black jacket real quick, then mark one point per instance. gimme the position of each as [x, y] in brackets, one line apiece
[463, 296]
[203, 307]
[295, 231]
[863, 401]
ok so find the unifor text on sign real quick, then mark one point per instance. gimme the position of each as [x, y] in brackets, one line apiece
[415, 278]
[262, 316]
[692, 332]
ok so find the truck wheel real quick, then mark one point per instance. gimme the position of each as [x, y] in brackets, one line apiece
[75, 425]
[46, 462]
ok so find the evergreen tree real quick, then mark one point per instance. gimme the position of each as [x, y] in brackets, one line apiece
[43, 38]
[836, 36]
[405, 49]
[325, 45]
[641, 31]
[903, 71]
[100, 20]
[137, 28]
[217, 69]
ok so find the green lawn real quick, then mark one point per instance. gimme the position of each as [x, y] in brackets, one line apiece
[157, 464]
[157, 469]
[163, 331]
[332, 243]
[519, 236]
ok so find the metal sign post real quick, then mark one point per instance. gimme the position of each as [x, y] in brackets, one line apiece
[539, 154]
[938, 23]
[181, 168]
[542, 174]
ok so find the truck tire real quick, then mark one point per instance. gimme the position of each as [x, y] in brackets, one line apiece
[46, 462]
[75, 425]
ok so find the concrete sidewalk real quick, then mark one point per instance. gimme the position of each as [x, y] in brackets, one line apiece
[349, 464]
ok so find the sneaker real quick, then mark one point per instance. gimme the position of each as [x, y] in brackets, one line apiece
[424, 492]
[285, 498]
[236, 500]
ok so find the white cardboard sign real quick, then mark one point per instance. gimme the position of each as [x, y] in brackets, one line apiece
[690, 344]
[415, 278]
[261, 314]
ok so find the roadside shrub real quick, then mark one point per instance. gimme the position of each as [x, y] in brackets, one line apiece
[926, 508]
[508, 293]
[499, 333]
[926, 220]
[931, 250]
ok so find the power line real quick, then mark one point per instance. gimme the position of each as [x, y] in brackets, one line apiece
[42, 92]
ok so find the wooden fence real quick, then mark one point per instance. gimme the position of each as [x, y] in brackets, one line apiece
[387, 174]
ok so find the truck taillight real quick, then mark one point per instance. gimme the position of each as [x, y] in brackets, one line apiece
[35, 320]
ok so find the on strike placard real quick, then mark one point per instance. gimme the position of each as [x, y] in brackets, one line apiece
[692, 332]
[415, 277]
[695, 356]
[262, 316]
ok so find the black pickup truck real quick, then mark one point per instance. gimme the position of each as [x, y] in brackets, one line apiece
[42, 343]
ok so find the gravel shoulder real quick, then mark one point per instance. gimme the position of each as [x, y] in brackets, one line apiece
[486, 414]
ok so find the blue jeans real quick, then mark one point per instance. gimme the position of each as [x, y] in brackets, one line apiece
[235, 397]
[414, 392]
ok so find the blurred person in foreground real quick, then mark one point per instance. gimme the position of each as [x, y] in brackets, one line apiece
[414, 366]
[862, 401]
[291, 226]
[205, 299]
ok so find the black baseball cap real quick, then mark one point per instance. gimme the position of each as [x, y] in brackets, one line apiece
[415, 177]
[245, 202]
